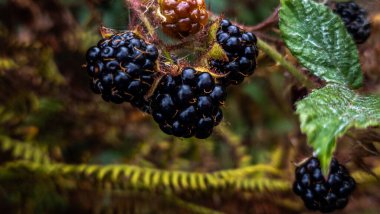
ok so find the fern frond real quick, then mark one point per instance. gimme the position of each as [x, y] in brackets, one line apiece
[154, 179]
[364, 177]
[176, 181]
[261, 185]
[247, 171]
[7, 64]
[24, 151]
[277, 156]
[121, 201]
[47, 67]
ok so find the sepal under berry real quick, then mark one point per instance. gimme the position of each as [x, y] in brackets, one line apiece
[240, 47]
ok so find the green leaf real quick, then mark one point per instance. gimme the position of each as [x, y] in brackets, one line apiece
[326, 114]
[320, 41]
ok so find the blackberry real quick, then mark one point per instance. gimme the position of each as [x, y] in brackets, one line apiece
[189, 104]
[241, 50]
[181, 18]
[122, 69]
[355, 19]
[320, 194]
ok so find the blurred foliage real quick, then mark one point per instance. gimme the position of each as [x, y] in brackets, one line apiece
[57, 138]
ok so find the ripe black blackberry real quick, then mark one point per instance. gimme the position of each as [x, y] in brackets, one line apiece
[241, 50]
[355, 19]
[189, 104]
[320, 194]
[122, 68]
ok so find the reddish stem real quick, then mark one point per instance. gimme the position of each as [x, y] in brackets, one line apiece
[272, 19]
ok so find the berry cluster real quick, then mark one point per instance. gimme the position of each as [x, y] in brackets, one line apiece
[356, 20]
[241, 50]
[122, 68]
[184, 101]
[182, 18]
[188, 105]
[320, 194]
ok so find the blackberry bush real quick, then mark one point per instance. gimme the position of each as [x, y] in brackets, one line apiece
[241, 50]
[122, 68]
[181, 18]
[319, 193]
[189, 104]
[355, 19]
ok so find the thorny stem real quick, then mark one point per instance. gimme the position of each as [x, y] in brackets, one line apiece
[267, 22]
[147, 24]
[269, 38]
[144, 19]
[273, 18]
[276, 56]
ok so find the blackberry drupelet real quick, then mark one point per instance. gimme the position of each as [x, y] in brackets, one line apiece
[320, 194]
[355, 19]
[241, 50]
[122, 69]
[189, 104]
[181, 18]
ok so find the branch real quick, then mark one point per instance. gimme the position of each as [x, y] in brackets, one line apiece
[272, 19]
[135, 6]
[277, 57]
[24, 150]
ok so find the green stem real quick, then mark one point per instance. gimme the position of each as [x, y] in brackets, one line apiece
[147, 24]
[234, 141]
[135, 6]
[276, 56]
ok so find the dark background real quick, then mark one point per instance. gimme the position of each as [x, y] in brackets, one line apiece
[45, 101]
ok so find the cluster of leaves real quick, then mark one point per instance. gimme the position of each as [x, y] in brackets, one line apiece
[323, 45]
